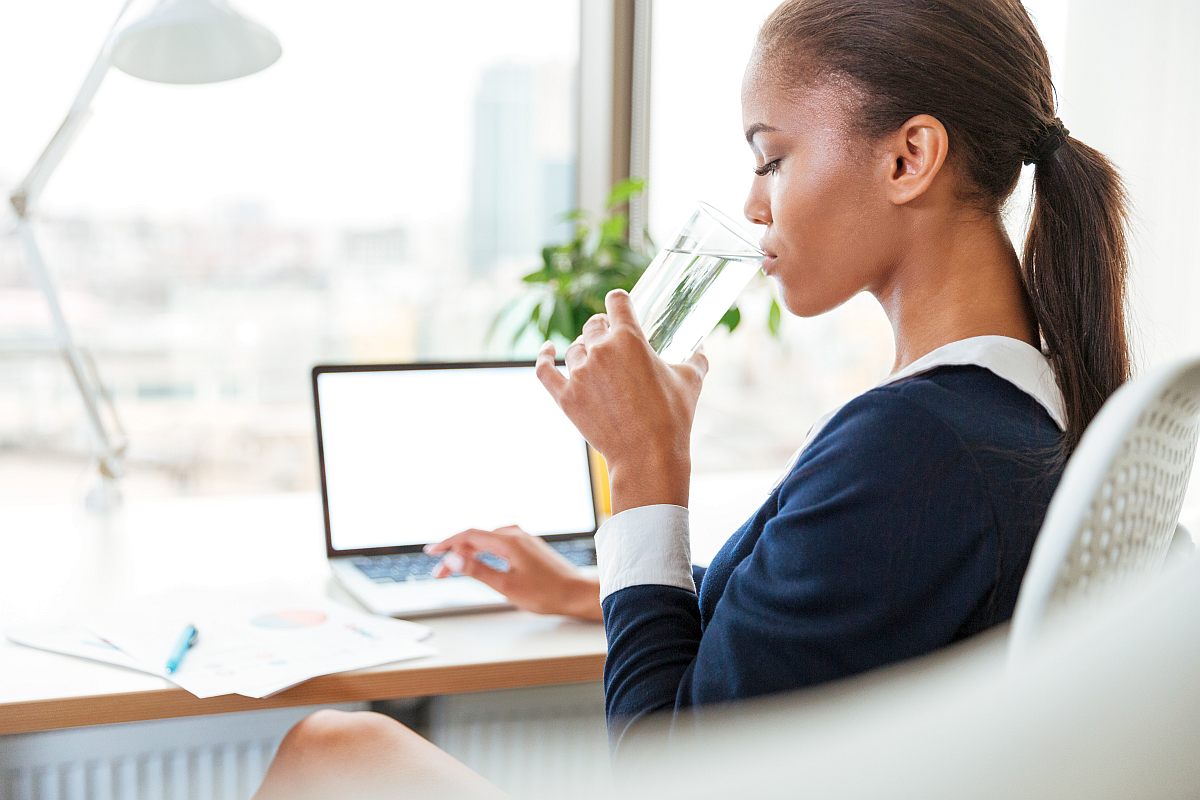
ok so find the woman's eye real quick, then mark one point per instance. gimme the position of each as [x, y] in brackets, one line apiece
[769, 167]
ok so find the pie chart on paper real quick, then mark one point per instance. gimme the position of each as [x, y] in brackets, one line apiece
[289, 619]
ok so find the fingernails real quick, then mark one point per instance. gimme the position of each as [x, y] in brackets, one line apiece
[452, 562]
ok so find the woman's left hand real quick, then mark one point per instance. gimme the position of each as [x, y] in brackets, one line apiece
[632, 406]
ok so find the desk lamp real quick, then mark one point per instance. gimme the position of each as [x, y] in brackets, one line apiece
[178, 41]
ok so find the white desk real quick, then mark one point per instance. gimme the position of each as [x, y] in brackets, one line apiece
[59, 562]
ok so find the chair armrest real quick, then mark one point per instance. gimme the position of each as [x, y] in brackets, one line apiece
[1183, 544]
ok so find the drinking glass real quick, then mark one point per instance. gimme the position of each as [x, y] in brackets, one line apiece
[690, 284]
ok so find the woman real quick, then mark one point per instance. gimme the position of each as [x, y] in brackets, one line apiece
[887, 135]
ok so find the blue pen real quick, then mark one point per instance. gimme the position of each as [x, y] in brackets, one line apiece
[186, 640]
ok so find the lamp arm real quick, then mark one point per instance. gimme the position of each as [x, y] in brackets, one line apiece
[109, 448]
[28, 190]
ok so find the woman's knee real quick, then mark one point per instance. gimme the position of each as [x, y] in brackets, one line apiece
[344, 734]
[362, 754]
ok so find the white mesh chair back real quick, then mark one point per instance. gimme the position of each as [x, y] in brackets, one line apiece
[1115, 511]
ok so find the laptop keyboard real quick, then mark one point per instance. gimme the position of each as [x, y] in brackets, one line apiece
[397, 567]
[401, 567]
[580, 552]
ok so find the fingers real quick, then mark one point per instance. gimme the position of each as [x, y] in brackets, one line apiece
[620, 310]
[444, 545]
[462, 557]
[699, 362]
[451, 563]
[496, 541]
[596, 326]
[472, 566]
[593, 333]
[576, 355]
[548, 373]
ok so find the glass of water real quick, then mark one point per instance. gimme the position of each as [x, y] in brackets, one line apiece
[691, 283]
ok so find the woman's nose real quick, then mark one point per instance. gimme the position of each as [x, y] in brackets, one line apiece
[757, 209]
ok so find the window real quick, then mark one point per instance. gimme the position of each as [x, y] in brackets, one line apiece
[373, 196]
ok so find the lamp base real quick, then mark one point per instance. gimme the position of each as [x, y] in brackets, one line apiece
[104, 497]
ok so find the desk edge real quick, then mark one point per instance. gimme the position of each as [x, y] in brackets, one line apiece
[73, 712]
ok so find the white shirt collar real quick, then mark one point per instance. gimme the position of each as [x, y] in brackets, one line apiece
[1017, 362]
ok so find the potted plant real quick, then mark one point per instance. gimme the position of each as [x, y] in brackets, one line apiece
[570, 284]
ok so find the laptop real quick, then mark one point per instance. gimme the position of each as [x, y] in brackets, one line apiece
[412, 453]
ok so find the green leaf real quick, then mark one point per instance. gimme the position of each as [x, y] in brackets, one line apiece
[578, 239]
[732, 318]
[582, 313]
[561, 321]
[774, 317]
[613, 228]
[624, 190]
[594, 304]
[545, 316]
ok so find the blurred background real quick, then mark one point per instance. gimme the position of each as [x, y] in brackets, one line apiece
[376, 195]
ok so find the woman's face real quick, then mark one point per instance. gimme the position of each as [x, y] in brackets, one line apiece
[818, 191]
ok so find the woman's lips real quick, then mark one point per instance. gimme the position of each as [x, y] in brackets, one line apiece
[768, 263]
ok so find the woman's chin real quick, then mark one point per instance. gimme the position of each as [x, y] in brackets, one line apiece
[806, 304]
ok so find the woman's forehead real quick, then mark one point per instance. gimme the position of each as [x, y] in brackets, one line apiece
[769, 106]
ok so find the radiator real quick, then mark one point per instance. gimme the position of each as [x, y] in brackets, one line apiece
[543, 742]
[222, 757]
[530, 742]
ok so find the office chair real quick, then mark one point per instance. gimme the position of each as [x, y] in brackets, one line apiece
[1116, 509]
[1107, 710]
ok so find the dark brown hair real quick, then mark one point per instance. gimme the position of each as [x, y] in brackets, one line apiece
[980, 68]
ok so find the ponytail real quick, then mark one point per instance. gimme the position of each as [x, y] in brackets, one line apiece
[1074, 268]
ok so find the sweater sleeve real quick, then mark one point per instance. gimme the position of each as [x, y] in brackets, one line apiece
[881, 546]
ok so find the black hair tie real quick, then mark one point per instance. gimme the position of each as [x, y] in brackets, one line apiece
[1051, 138]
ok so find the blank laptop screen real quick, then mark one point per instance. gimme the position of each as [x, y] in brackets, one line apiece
[413, 455]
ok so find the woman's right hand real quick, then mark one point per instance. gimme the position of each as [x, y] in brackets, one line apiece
[537, 579]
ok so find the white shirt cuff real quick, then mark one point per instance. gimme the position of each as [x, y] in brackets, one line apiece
[645, 545]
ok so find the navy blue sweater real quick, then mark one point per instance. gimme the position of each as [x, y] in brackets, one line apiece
[905, 525]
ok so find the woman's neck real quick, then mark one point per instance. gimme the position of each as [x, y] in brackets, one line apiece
[962, 280]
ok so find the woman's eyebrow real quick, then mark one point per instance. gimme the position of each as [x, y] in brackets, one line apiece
[757, 128]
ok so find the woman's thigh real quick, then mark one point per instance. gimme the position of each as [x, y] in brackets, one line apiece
[337, 754]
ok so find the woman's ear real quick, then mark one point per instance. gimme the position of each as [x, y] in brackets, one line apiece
[916, 152]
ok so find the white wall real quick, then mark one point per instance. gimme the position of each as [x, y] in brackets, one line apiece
[1132, 91]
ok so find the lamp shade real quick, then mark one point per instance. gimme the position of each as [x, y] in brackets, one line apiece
[194, 41]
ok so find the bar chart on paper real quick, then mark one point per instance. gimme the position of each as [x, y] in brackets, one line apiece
[287, 620]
